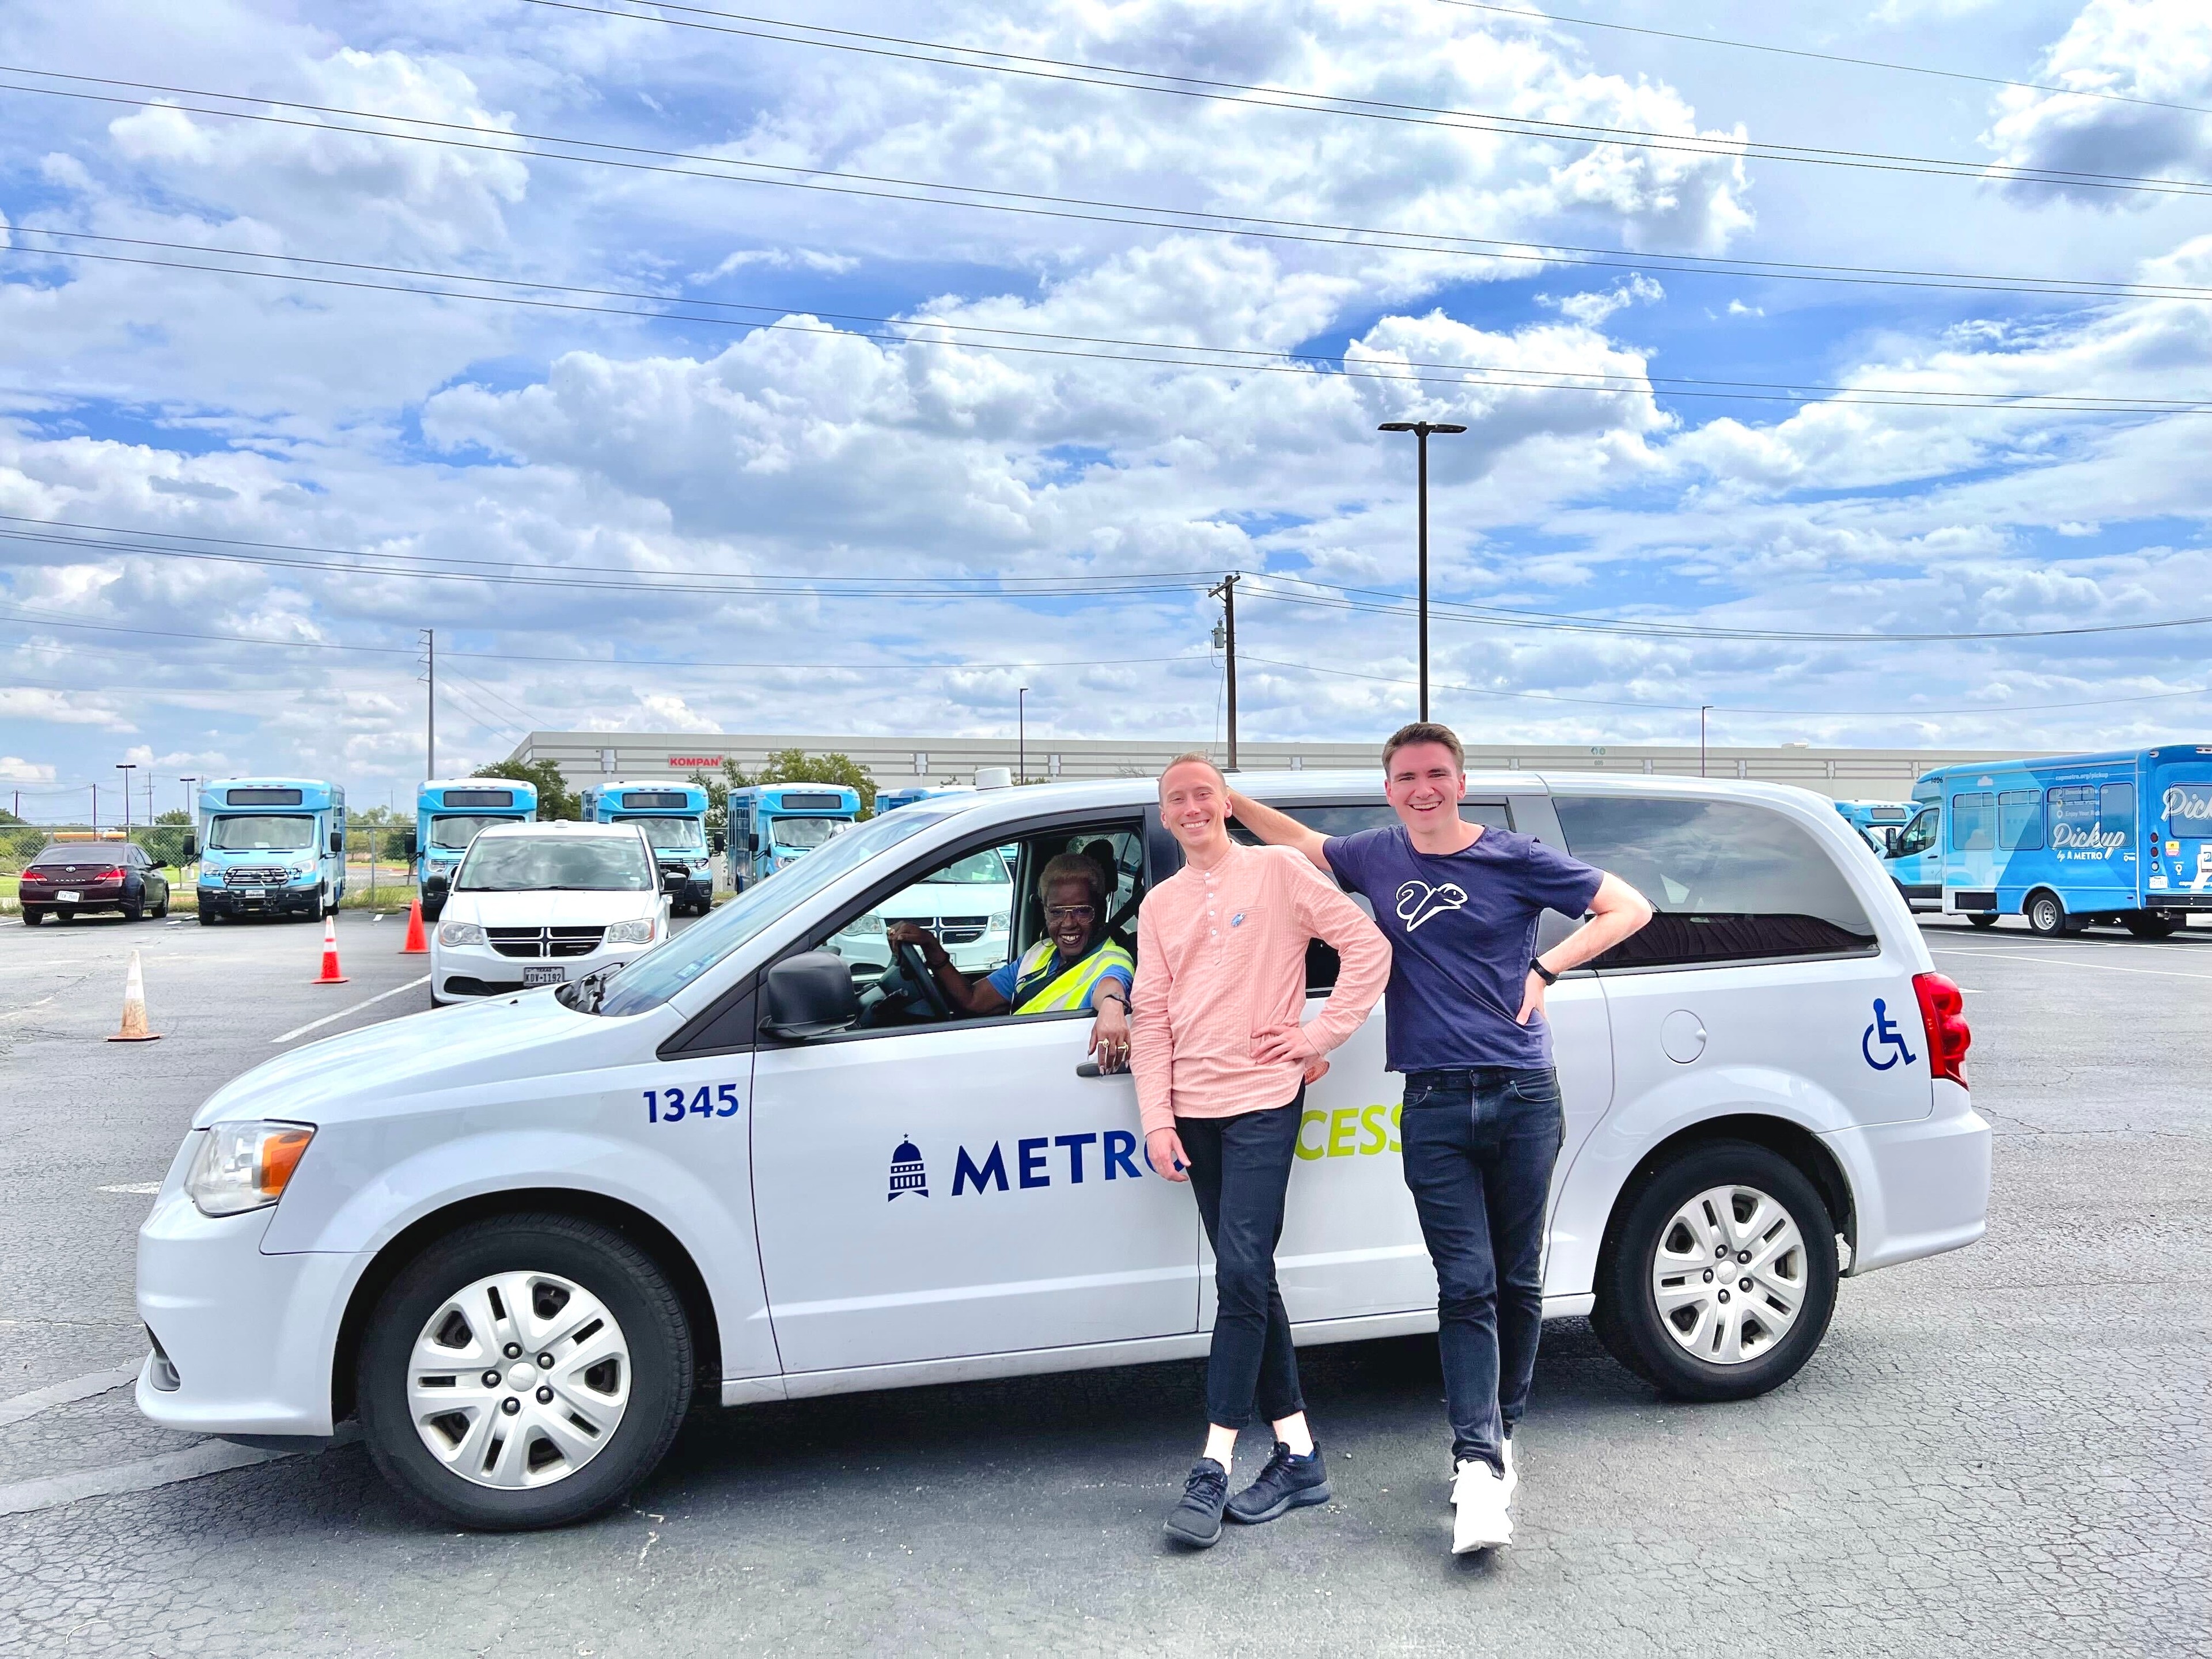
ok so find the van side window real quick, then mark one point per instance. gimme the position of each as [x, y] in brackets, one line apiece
[2020, 821]
[2116, 805]
[1973, 823]
[1728, 881]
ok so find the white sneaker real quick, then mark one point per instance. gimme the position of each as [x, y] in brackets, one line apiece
[1479, 1496]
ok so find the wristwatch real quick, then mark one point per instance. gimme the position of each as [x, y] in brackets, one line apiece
[1537, 967]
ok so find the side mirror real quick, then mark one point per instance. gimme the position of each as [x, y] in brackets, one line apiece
[1889, 843]
[191, 849]
[715, 842]
[408, 848]
[337, 842]
[672, 879]
[810, 995]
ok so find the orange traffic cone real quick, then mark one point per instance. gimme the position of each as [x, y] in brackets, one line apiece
[330, 974]
[134, 1007]
[415, 944]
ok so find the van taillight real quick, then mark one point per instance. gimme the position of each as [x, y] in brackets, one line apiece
[1943, 1017]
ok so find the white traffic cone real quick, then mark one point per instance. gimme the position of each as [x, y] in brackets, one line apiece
[134, 1007]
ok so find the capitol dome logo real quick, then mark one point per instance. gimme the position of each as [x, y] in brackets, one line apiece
[908, 1173]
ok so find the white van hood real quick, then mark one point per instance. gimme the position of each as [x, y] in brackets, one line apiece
[544, 908]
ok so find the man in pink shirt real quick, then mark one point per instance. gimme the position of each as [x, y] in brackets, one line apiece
[1221, 1063]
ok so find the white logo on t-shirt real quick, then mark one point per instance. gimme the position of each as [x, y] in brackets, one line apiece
[1418, 901]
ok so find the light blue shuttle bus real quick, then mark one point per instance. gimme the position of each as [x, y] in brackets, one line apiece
[2122, 838]
[270, 846]
[1914, 854]
[890, 800]
[1874, 818]
[772, 824]
[673, 817]
[448, 812]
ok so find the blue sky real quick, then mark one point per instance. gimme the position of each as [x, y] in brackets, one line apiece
[278, 422]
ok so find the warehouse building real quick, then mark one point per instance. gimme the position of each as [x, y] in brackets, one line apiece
[1840, 773]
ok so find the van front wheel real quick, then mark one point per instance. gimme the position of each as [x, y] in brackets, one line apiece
[2047, 914]
[524, 1371]
[1722, 1276]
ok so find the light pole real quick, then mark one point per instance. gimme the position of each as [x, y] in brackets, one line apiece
[1703, 709]
[1022, 735]
[126, 767]
[1227, 594]
[1420, 429]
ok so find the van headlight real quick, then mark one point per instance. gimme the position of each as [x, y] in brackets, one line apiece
[459, 932]
[631, 932]
[871, 923]
[999, 921]
[245, 1166]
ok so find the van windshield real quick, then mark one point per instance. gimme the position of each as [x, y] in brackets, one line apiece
[524, 863]
[261, 833]
[801, 834]
[660, 973]
[455, 833]
[671, 834]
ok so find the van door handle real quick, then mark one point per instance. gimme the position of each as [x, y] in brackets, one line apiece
[1089, 1068]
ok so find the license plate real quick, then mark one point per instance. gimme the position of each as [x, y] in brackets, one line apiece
[544, 976]
[69, 898]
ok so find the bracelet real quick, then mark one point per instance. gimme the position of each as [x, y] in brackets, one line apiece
[1543, 973]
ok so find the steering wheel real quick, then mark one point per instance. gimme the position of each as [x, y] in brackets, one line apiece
[913, 964]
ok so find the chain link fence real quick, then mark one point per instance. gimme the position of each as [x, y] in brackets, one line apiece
[378, 872]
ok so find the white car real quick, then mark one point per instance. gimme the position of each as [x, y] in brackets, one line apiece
[967, 905]
[536, 904]
[517, 1239]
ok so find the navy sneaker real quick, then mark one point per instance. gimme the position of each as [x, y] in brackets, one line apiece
[1289, 1482]
[1196, 1520]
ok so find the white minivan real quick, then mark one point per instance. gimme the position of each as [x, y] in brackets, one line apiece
[518, 1239]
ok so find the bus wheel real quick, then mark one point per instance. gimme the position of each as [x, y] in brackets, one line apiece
[1982, 918]
[524, 1371]
[2046, 915]
[2150, 924]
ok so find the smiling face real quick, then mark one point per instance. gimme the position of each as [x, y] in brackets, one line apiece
[1423, 784]
[1194, 805]
[1071, 916]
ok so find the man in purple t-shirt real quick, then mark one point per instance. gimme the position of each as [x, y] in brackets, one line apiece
[1482, 1122]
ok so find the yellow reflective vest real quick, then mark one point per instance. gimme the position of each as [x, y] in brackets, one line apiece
[1042, 986]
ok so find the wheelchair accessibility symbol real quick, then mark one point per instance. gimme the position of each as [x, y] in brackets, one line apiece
[1883, 1033]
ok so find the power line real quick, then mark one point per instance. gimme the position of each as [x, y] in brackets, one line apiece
[1232, 358]
[1554, 19]
[1028, 66]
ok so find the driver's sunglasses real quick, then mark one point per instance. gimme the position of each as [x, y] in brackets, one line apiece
[1070, 912]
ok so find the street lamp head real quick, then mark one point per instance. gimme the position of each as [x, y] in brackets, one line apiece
[1395, 426]
[1422, 427]
[1444, 426]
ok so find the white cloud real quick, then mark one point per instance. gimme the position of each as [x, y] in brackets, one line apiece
[1591, 309]
[13, 768]
[779, 258]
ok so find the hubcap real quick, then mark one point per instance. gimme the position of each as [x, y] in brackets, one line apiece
[515, 1423]
[1735, 1314]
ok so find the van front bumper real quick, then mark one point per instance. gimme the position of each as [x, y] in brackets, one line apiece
[462, 971]
[261, 901]
[1918, 1188]
[249, 1338]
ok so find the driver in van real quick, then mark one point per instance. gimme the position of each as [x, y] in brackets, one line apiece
[1075, 965]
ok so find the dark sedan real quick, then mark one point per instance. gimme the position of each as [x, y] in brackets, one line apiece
[71, 877]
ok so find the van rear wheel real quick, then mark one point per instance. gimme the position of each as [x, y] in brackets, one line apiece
[2046, 915]
[1721, 1278]
[524, 1371]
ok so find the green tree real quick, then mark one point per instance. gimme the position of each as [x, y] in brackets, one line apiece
[556, 799]
[785, 766]
[174, 815]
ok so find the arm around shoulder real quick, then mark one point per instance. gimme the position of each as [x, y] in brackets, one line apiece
[1281, 829]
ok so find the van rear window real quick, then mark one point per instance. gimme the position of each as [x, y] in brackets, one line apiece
[1728, 881]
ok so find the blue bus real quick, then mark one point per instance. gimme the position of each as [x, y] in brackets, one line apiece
[1874, 818]
[890, 799]
[673, 817]
[1913, 855]
[2125, 838]
[770, 825]
[270, 846]
[448, 812]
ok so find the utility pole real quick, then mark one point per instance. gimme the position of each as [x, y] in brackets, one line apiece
[430, 705]
[1704, 710]
[1022, 735]
[1226, 592]
[1420, 429]
[126, 767]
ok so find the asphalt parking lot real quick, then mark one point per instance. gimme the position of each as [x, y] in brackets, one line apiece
[1997, 1451]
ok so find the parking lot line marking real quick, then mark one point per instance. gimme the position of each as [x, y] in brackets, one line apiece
[2065, 962]
[316, 1024]
[209, 1457]
[135, 1188]
[61, 1394]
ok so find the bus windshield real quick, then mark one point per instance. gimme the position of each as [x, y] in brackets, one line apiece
[660, 973]
[801, 834]
[671, 834]
[524, 864]
[261, 834]
[455, 833]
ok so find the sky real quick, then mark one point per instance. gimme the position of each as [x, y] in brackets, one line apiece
[838, 382]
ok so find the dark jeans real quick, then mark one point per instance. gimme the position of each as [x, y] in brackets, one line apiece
[1479, 1145]
[1240, 1167]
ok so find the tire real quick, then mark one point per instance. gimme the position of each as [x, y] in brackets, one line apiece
[433, 908]
[1982, 918]
[2047, 914]
[163, 913]
[208, 917]
[134, 912]
[639, 1402]
[1759, 1356]
[329, 903]
[31, 918]
[2148, 924]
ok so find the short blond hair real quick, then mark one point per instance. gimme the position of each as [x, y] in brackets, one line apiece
[1194, 758]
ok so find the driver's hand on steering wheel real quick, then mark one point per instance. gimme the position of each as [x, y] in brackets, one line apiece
[913, 933]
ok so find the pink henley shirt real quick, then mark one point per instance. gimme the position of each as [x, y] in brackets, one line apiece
[1221, 955]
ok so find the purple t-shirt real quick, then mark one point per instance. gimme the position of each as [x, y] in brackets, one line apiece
[1462, 930]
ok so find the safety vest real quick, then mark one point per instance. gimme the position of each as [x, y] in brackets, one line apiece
[1043, 987]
